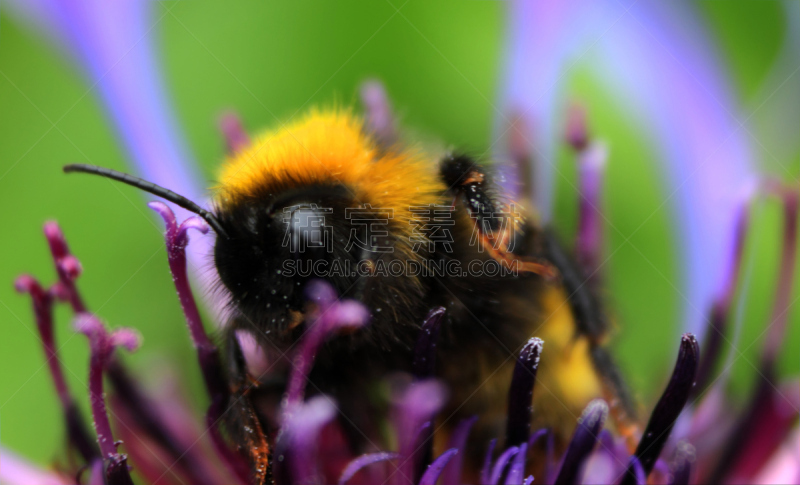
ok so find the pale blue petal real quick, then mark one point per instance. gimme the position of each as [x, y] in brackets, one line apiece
[660, 67]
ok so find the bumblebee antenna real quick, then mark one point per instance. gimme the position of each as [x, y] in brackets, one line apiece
[152, 188]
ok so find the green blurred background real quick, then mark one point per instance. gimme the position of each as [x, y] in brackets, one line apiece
[271, 58]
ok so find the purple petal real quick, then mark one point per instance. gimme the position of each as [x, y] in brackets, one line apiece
[662, 69]
[435, 469]
[783, 467]
[362, 461]
[759, 431]
[16, 471]
[425, 351]
[458, 441]
[583, 441]
[517, 469]
[500, 465]
[520, 395]
[114, 44]
[667, 409]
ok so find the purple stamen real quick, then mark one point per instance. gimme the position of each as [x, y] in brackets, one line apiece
[414, 408]
[518, 181]
[577, 132]
[177, 238]
[434, 470]
[363, 461]
[487, 462]
[329, 317]
[147, 418]
[117, 472]
[424, 362]
[102, 345]
[536, 435]
[517, 469]
[583, 441]
[302, 424]
[67, 266]
[638, 472]
[97, 473]
[423, 366]
[758, 432]
[500, 465]
[379, 118]
[721, 307]
[667, 409]
[520, 395]
[589, 240]
[761, 429]
[682, 470]
[780, 309]
[236, 138]
[77, 432]
[550, 472]
[458, 440]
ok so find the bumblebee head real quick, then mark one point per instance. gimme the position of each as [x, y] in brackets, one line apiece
[291, 207]
[305, 201]
[276, 243]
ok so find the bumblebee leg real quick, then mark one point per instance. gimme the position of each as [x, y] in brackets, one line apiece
[241, 420]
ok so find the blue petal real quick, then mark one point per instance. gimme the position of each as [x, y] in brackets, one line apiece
[661, 69]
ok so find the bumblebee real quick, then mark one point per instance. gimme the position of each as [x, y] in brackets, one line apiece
[308, 195]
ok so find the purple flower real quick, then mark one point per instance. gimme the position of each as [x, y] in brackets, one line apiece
[690, 436]
[308, 446]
